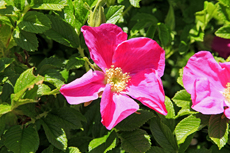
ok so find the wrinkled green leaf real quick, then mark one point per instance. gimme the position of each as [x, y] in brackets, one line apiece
[5, 62]
[54, 133]
[164, 34]
[223, 32]
[103, 144]
[22, 140]
[56, 5]
[163, 135]
[25, 81]
[62, 32]
[114, 13]
[135, 3]
[4, 108]
[218, 130]
[134, 121]
[34, 22]
[135, 141]
[26, 40]
[169, 108]
[186, 127]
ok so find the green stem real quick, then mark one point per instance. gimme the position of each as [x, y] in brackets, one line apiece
[127, 10]
[81, 51]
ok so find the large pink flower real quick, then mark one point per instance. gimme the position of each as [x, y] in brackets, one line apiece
[128, 68]
[208, 82]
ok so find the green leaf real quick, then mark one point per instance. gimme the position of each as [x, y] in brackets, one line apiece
[2, 4]
[49, 149]
[186, 144]
[169, 108]
[71, 150]
[135, 141]
[25, 81]
[49, 63]
[223, 32]
[56, 5]
[218, 130]
[5, 62]
[35, 22]
[170, 18]
[54, 77]
[54, 133]
[75, 62]
[114, 13]
[4, 108]
[67, 118]
[163, 135]
[26, 40]
[155, 149]
[62, 32]
[20, 4]
[179, 79]
[135, 3]
[182, 99]
[151, 31]
[225, 2]
[22, 140]
[164, 34]
[103, 144]
[9, 11]
[5, 34]
[186, 127]
[224, 12]
[134, 121]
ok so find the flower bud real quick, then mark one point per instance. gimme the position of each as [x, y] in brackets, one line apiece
[97, 16]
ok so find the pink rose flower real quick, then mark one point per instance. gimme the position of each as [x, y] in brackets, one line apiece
[208, 82]
[129, 68]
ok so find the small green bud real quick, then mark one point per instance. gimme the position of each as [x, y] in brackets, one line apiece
[97, 17]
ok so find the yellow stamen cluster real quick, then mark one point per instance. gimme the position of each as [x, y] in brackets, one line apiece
[116, 78]
[226, 93]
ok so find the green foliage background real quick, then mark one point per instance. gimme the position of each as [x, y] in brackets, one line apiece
[42, 48]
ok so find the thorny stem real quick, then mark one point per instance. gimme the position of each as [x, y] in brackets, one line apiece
[81, 51]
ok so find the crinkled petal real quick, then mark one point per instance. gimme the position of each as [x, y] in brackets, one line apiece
[115, 107]
[206, 99]
[203, 65]
[137, 54]
[146, 86]
[227, 112]
[84, 89]
[225, 75]
[102, 42]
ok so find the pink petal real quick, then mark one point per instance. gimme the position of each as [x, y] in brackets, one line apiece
[138, 54]
[202, 65]
[227, 112]
[225, 75]
[209, 105]
[206, 99]
[115, 107]
[221, 46]
[84, 89]
[146, 86]
[102, 42]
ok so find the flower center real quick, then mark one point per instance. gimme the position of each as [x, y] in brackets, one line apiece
[116, 78]
[226, 93]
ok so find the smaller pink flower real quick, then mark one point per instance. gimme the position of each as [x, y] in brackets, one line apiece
[129, 68]
[208, 82]
[221, 46]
